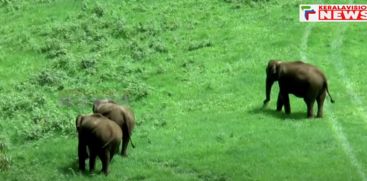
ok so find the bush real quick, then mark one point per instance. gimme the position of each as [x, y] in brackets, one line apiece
[88, 63]
[98, 10]
[158, 46]
[5, 161]
[66, 63]
[24, 102]
[43, 122]
[76, 50]
[54, 48]
[11, 5]
[135, 91]
[120, 29]
[50, 77]
[199, 44]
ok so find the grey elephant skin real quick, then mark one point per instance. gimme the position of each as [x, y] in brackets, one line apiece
[122, 115]
[300, 79]
[100, 136]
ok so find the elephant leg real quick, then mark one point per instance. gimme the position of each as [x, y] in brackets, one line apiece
[125, 139]
[287, 105]
[82, 154]
[309, 103]
[114, 149]
[92, 161]
[125, 143]
[320, 104]
[105, 158]
[279, 102]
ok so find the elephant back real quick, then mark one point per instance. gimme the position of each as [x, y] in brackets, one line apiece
[111, 111]
[100, 130]
[129, 117]
[114, 134]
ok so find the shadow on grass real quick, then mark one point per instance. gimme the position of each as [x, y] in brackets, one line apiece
[279, 115]
[70, 169]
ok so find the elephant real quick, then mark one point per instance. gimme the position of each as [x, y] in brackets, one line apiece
[100, 137]
[122, 115]
[300, 79]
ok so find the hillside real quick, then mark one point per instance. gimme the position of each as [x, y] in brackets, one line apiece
[194, 74]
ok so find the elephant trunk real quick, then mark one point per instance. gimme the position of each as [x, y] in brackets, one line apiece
[269, 84]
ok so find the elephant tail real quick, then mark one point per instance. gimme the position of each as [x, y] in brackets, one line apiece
[132, 144]
[327, 90]
[126, 128]
[129, 135]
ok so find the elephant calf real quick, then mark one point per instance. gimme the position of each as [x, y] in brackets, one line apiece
[298, 78]
[121, 115]
[100, 136]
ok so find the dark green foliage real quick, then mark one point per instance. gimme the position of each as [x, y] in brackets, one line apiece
[39, 117]
[120, 29]
[53, 48]
[199, 44]
[10, 5]
[44, 122]
[67, 64]
[52, 77]
[16, 103]
[159, 46]
[88, 62]
[136, 91]
[5, 160]
[98, 10]
[78, 68]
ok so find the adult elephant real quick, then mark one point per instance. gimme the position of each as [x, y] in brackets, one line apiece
[298, 78]
[122, 115]
[100, 136]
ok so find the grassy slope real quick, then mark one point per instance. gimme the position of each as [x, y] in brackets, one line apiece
[201, 120]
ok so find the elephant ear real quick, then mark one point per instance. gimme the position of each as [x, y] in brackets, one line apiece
[98, 115]
[78, 121]
[98, 103]
[272, 67]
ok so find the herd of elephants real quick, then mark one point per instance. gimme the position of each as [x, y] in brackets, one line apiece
[100, 133]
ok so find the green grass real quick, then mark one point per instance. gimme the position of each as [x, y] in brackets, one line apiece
[194, 74]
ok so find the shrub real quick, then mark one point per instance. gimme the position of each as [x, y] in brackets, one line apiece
[11, 5]
[24, 102]
[43, 122]
[88, 63]
[11, 104]
[5, 162]
[50, 77]
[66, 63]
[98, 10]
[66, 45]
[53, 48]
[136, 91]
[199, 44]
[138, 52]
[158, 46]
[120, 29]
